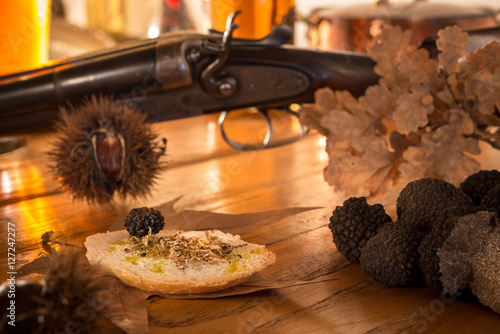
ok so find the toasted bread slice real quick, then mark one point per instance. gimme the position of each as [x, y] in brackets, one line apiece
[171, 269]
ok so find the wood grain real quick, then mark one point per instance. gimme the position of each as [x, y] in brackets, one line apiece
[205, 174]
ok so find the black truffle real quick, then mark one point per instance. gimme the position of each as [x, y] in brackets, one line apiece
[354, 223]
[391, 257]
[492, 198]
[434, 240]
[143, 221]
[424, 201]
[429, 260]
[477, 185]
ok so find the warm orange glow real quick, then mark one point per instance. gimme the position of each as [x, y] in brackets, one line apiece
[256, 19]
[38, 217]
[322, 155]
[38, 214]
[24, 28]
[19, 179]
[212, 133]
[6, 183]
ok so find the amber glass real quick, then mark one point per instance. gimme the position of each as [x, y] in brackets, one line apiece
[108, 16]
[24, 32]
[257, 16]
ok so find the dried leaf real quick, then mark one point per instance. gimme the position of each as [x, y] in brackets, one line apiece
[341, 125]
[486, 58]
[129, 310]
[451, 43]
[254, 284]
[386, 51]
[310, 116]
[412, 109]
[355, 166]
[417, 66]
[441, 154]
[436, 113]
[350, 120]
[415, 163]
[380, 101]
[483, 87]
[326, 100]
[40, 265]
[192, 220]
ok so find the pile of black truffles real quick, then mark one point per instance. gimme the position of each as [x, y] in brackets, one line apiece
[447, 236]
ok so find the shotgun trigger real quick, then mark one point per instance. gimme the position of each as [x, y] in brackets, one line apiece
[220, 85]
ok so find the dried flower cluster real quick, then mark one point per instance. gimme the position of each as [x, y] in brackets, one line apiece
[182, 250]
[424, 118]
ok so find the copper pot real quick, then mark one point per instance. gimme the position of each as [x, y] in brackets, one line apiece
[354, 27]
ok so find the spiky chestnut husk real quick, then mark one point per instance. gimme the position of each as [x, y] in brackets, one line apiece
[103, 147]
[477, 185]
[143, 221]
[426, 200]
[391, 257]
[66, 299]
[354, 223]
[24, 308]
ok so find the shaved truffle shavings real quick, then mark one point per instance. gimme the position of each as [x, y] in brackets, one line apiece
[183, 250]
[466, 243]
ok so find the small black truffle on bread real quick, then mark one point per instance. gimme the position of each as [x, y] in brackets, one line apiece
[354, 223]
[143, 221]
[391, 257]
[477, 185]
[423, 201]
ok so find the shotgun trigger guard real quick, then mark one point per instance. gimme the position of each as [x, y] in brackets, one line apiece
[266, 143]
[220, 85]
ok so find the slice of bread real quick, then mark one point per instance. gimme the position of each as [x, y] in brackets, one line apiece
[171, 271]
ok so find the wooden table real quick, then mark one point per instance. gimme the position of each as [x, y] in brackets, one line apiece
[210, 176]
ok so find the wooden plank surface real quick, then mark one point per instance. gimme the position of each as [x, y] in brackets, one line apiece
[208, 175]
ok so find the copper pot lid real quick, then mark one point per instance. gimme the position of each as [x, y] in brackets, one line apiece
[418, 10]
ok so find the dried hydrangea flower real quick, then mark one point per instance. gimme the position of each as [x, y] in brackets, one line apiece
[105, 147]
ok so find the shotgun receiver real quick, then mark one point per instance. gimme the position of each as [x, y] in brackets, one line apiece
[181, 75]
[186, 74]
